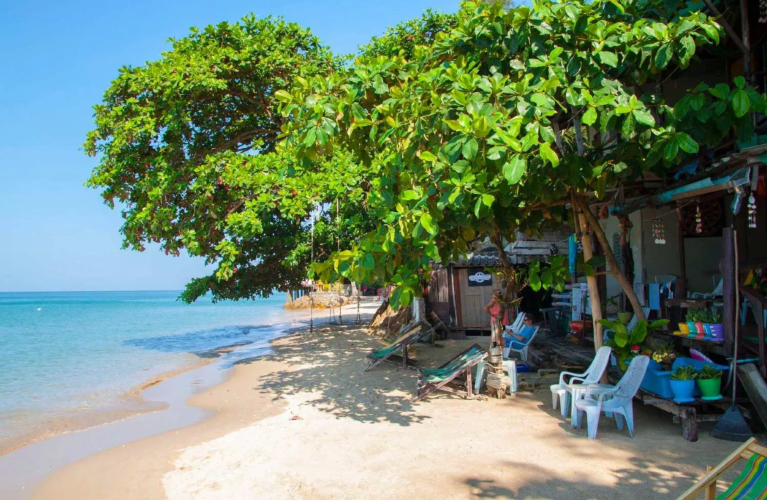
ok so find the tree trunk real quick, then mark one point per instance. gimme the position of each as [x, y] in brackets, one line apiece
[613, 266]
[596, 303]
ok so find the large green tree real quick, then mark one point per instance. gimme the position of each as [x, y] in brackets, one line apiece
[186, 149]
[500, 122]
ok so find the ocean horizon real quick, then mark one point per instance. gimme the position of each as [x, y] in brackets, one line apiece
[73, 359]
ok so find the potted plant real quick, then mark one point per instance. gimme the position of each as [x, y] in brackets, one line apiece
[664, 354]
[694, 322]
[683, 383]
[715, 326]
[627, 344]
[710, 383]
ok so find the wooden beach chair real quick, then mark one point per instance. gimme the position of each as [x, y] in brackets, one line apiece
[751, 484]
[437, 379]
[401, 343]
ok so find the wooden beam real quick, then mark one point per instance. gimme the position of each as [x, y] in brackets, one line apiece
[730, 32]
[756, 389]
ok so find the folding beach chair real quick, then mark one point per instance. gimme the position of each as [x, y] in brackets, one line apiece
[751, 484]
[411, 336]
[437, 379]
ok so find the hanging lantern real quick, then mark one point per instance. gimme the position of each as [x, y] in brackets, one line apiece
[698, 220]
[752, 211]
[763, 11]
[659, 231]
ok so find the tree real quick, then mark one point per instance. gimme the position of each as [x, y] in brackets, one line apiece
[186, 148]
[510, 116]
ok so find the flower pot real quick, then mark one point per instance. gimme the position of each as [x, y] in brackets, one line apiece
[717, 331]
[683, 390]
[684, 328]
[710, 388]
[699, 327]
[625, 317]
[691, 326]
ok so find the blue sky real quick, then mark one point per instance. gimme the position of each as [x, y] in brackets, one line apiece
[57, 60]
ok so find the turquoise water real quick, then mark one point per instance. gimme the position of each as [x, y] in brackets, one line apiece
[64, 354]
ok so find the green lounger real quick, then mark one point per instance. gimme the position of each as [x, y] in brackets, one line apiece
[437, 379]
[377, 356]
[751, 484]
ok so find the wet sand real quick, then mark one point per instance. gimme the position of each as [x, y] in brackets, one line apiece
[307, 422]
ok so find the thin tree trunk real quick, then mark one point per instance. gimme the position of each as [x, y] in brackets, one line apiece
[596, 303]
[613, 266]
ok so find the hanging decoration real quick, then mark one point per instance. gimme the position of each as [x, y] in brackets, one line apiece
[752, 211]
[763, 11]
[698, 220]
[659, 231]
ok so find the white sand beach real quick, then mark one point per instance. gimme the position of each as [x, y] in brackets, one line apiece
[307, 422]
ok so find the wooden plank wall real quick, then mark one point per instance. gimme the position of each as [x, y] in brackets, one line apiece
[473, 300]
[439, 296]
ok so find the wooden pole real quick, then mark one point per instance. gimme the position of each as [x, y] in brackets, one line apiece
[596, 303]
[728, 286]
[681, 287]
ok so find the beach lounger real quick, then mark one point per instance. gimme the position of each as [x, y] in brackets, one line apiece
[411, 336]
[437, 379]
[751, 484]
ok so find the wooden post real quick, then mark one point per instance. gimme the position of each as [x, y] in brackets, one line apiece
[681, 283]
[711, 488]
[728, 287]
[596, 303]
[689, 423]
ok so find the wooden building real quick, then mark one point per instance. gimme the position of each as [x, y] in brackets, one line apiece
[459, 291]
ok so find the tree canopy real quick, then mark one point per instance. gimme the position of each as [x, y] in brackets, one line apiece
[445, 130]
[506, 117]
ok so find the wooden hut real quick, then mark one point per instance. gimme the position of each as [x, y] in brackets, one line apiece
[459, 291]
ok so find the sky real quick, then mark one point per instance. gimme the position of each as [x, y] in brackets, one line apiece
[56, 60]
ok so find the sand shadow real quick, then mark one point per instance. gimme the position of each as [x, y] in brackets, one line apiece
[327, 366]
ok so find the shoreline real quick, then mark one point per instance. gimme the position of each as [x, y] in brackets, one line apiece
[131, 403]
[208, 372]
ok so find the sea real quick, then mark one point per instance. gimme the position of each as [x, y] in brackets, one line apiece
[69, 358]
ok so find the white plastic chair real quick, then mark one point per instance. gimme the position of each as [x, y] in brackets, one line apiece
[518, 324]
[561, 392]
[618, 400]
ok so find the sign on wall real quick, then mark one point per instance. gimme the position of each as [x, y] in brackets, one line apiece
[480, 278]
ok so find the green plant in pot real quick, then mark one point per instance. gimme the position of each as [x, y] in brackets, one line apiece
[683, 383]
[710, 383]
[695, 320]
[627, 344]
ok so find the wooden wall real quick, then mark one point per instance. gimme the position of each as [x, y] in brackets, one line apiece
[471, 300]
[439, 295]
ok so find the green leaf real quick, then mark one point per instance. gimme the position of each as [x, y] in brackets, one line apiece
[740, 82]
[644, 117]
[427, 156]
[514, 169]
[608, 58]
[535, 281]
[283, 96]
[369, 262]
[712, 32]
[687, 143]
[428, 223]
[720, 91]
[548, 154]
[671, 149]
[470, 148]
[590, 116]
[311, 137]
[409, 194]
[740, 103]
[488, 199]
[663, 56]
